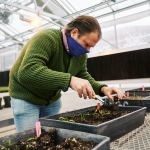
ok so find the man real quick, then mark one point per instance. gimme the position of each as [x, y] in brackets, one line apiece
[52, 61]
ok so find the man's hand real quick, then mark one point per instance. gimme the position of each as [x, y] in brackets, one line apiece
[82, 86]
[108, 91]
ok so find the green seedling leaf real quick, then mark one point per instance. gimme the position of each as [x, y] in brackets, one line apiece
[3, 147]
[30, 139]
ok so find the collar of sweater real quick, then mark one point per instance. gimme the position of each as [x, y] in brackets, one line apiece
[65, 40]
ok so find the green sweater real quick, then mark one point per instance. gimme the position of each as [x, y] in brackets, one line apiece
[44, 68]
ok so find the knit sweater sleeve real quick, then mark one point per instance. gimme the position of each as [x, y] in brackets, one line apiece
[33, 71]
[85, 75]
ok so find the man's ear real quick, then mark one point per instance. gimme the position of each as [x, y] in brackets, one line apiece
[74, 33]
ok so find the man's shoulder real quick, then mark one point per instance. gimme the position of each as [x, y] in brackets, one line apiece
[51, 31]
[47, 33]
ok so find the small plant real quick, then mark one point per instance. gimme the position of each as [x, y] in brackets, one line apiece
[87, 114]
[66, 119]
[97, 109]
[4, 148]
[134, 95]
[27, 147]
[95, 112]
[30, 139]
[107, 113]
[82, 116]
[8, 142]
[102, 113]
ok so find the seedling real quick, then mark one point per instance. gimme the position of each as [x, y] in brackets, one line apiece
[97, 109]
[27, 147]
[87, 114]
[84, 115]
[30, 139]
[8, 142]
[107, 113]
[4, 148]
[101, 113]
[134, 95]
[66, 119]
[95, 112]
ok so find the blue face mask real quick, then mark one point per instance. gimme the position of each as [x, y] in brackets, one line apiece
[75, 49]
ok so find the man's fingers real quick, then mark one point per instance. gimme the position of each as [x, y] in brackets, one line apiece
[80, 93]
[85, 94]
[120, 95]
[82, 86]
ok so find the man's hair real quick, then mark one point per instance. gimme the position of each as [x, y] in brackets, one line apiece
[85, 25]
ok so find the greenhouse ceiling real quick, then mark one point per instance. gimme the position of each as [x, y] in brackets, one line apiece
[16, 17]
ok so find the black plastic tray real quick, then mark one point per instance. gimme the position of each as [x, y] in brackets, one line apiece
[142, 103]
[114, 128]
[146, 103]
[139, 91]
[103, 142]
[128, 102]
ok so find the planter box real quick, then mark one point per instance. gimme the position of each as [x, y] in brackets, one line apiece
[141, 103]
[103, 142]
[114, 128]
[1, 107]
[139, 91]
[146, 103]
[128, 102]
[7, 101]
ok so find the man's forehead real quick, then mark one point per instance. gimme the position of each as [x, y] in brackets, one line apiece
[91, 41]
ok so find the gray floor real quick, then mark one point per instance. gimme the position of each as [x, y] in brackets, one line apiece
[70, 101]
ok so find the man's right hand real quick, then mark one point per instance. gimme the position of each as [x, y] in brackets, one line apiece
[82, 86]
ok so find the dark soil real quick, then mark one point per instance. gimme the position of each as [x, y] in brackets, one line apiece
[48, 141]
[146, 98]
[95, 117]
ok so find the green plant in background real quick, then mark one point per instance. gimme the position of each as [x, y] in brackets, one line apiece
[3, 89]
[134, 95]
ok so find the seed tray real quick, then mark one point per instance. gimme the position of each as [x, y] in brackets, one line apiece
[139, 92]
[103, 142]
[144, 102]
[128, 102]
[114, 128]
